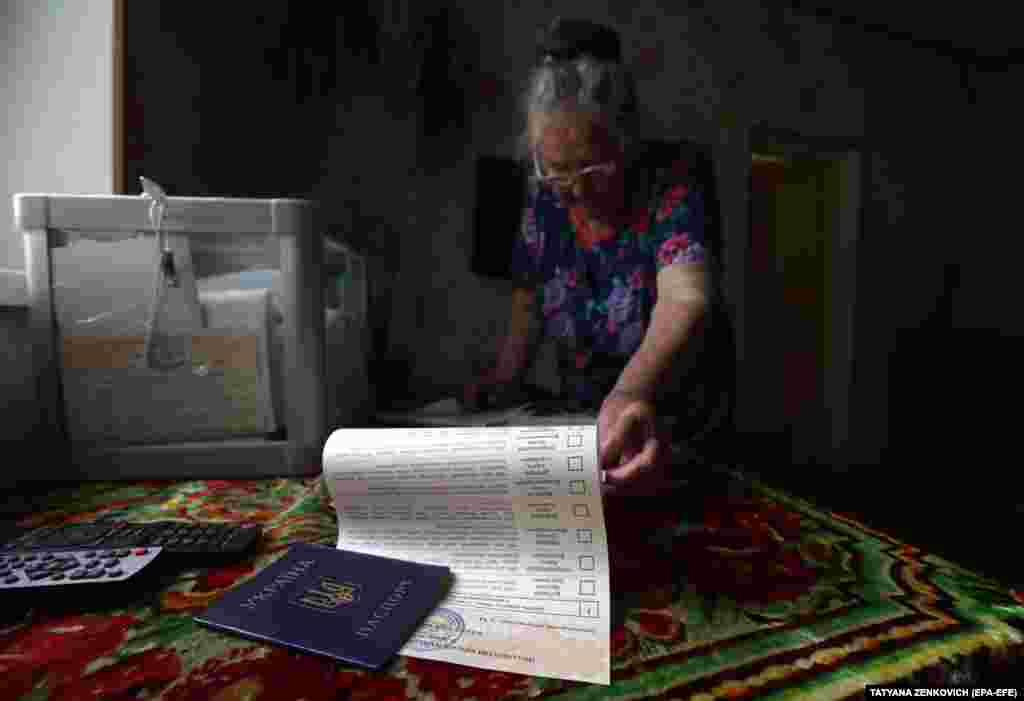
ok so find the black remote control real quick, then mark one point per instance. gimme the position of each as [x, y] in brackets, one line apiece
[62, 580]
[30, 570]
[201, 543]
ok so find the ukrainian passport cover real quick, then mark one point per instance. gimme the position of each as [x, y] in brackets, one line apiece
[351, 606]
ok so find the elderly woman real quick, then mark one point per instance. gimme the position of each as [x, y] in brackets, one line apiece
[611, 258]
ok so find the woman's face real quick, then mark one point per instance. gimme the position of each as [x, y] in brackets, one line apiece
[572, 141]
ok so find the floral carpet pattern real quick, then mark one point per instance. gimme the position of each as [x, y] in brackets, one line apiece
[746, 597]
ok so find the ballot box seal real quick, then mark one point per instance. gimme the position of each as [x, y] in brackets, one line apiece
[441, 629]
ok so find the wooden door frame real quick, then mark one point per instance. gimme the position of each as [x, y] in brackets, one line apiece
[120, 102]
[852, 156]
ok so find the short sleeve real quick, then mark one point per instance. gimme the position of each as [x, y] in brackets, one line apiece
[528, 247]
[679, 225]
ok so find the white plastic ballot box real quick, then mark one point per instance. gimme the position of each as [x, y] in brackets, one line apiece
[249, 395]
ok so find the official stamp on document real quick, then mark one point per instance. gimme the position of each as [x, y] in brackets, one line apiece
[442, 629]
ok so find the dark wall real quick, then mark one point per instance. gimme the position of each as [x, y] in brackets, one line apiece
[228, 106]
[940, 295]
[954, 373]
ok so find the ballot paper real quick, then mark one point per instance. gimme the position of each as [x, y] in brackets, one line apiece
[514, 512]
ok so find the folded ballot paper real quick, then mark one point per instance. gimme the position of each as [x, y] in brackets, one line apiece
[111, 398]
[113, 394]
[514, 511]
[354, 607]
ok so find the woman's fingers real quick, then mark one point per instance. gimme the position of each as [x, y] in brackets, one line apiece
[470, 396]
[627, 433]
[631, 454]
[614, 442]
[643, 462]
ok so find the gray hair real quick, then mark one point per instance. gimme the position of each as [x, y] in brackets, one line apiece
[586, 84]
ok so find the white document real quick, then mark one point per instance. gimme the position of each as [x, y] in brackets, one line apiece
[515, 512]
[448, 413]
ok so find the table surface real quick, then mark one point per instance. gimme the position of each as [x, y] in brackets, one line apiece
[746, 592]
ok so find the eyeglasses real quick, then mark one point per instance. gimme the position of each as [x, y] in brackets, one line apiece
[567, 180]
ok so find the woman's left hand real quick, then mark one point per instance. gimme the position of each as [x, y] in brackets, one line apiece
[633, 448]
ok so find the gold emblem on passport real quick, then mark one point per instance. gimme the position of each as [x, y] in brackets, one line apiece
[329, 595]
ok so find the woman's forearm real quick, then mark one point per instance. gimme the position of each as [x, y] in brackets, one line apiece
[672, 325]
[513, 356]
[681, 305]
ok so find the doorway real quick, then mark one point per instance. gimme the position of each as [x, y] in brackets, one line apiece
[804, 218]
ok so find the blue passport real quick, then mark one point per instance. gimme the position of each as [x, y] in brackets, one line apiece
[351, 606]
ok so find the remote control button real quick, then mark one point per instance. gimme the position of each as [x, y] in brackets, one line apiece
[4, 571]
[90, 555]
[123, 553]
[57, 576]
[36, 576]
[111, 562]
[46, 556]
[12, 579]
[141, 551]
[77, 574]
[114, 573]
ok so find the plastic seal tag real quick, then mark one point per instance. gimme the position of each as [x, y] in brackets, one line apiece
[170, 326]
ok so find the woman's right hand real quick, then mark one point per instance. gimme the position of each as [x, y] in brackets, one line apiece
[474, 393]
[512, 356]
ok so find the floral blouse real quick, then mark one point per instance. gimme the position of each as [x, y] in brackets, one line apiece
[596, 299]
